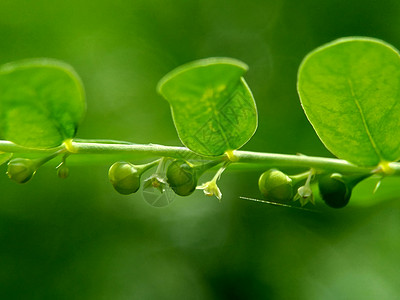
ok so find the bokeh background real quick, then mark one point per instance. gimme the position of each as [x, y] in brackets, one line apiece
[79, 239]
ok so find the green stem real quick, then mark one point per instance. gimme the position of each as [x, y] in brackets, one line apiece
[221, 170]
[200, 169]
[297, 179]
[262, 160]
[41, 161]
[144, 167]
[161, 165]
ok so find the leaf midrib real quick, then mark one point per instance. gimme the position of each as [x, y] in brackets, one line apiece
[366, 127]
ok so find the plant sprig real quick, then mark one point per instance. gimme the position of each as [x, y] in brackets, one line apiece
[348, 90]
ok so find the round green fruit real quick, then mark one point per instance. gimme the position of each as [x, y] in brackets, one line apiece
[21, 170]
[276, 186]
[181, 177]
[124, 177]
[63, 171]
[334, 191]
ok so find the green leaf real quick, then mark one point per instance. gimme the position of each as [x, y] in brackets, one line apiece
[350, 91]
[212, 106]
[41, 102]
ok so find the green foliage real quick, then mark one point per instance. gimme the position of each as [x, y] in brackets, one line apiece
[212, 106]
[79, 239]
[42, 102]
[349, 90]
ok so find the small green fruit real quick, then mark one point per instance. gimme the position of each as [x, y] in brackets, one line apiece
[334, 191]
[21, 170]
[124, 177]
[181, 177]
[63, 171]
[276, 186]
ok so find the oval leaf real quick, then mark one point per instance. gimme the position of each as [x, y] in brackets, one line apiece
[212, 107]
[41, 102]
[350, 91]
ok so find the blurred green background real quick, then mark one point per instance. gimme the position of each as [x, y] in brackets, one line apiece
[79, 239]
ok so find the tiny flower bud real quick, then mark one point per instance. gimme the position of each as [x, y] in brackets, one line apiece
[21, 170]
[63, 171]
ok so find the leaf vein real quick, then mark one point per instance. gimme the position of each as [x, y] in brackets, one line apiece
[364, 121]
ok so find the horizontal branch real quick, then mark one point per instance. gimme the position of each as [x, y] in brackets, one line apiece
[242, 157]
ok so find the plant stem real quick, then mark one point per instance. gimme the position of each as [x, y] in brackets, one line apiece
[241, 157]
[302, 161]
